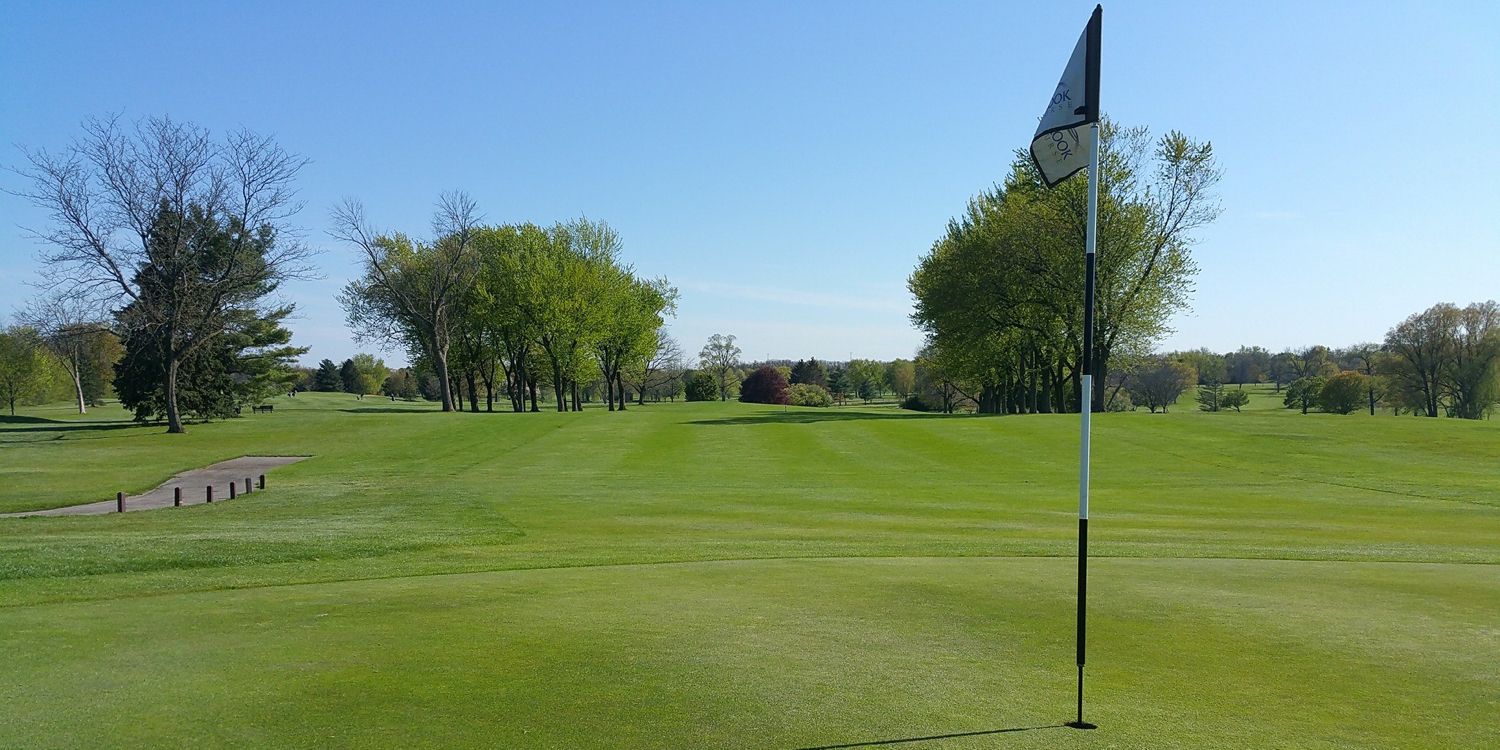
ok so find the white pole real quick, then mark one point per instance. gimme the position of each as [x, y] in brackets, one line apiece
[1088, 336]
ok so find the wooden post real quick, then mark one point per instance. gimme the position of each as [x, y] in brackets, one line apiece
[119, 502]
[210, 493]
[262, 482]
[247, 485]
[177, 497]
[231, 489]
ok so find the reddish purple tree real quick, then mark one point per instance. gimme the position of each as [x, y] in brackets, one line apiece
[764, 386]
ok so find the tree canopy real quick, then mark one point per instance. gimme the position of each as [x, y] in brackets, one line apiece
[1000, 295]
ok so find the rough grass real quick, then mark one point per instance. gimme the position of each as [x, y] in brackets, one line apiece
[729, 576]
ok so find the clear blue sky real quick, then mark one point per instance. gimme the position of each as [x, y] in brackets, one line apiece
[787, 163]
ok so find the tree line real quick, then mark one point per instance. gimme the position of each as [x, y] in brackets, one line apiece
[1442, 361]
[508, 310]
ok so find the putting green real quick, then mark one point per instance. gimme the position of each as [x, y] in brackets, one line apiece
[726, 576]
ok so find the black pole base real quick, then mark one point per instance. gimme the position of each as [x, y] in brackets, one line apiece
[1081, 725]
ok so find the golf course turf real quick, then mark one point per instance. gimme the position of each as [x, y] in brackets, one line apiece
[736, 576]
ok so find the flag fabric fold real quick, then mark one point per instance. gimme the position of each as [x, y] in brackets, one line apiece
[1059, 149]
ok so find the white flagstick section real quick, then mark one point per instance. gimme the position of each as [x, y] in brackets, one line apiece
[1088, 378]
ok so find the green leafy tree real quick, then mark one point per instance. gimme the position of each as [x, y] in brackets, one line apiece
[1208, 367]
[865, 377]
[1000, 293]
[721, 358]
[370, 373]
[807, 394]
[24, 369]
[1234, 399]
[1343, 393]
[1471, 382]
[901, 377]
[702, 386]
[1302, 393]
[79, 340]
[401, 384]
[1250, 364]
[409, 292]
[1369, 360]
[1158, 382]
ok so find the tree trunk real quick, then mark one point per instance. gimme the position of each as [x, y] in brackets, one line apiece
[174, 416]
[609, 390]
[473, 392]
[1031, 394]
[1100, 371]
[620, 381]
[531, 384]
[83, 408]
[1044, 400]
[559, 388]
[516, 384]
[577, 402]
[445, 386]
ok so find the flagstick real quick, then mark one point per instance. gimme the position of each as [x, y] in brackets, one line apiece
[1087, 407]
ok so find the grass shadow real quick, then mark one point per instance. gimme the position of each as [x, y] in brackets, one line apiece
[931, 737]
[52, 425]
[806, 417]
[390, 410]
[4, 419]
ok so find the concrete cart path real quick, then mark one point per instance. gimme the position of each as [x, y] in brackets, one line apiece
[194, 484]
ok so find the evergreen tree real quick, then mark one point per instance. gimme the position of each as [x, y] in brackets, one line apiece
[349, 376]
[242, 366]
[327, 378]
[810, 372]
[702, 387]
[838, 384]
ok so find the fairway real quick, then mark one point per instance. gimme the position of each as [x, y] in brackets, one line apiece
[734, 576]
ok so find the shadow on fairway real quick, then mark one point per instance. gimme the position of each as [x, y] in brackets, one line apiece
[52, 425]
[929, 738]
[390, 410]
[804, 417]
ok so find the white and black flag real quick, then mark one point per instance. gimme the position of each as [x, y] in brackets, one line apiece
[1058, 149]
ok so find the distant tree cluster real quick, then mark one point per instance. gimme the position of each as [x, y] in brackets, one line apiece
[511, 309]
[1443, 361]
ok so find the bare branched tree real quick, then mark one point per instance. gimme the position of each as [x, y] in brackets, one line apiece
[72, 328]
[168, 228]
[410, 291]
[665, 360]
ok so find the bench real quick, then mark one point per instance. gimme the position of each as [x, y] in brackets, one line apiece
[263, 408]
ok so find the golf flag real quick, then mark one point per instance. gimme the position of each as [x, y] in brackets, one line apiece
[1058, 149]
